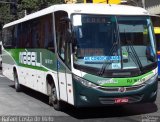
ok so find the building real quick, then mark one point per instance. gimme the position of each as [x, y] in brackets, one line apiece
[153, 6]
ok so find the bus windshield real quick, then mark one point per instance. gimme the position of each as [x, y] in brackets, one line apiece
[113, 42]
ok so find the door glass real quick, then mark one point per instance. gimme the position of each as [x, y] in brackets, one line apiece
[62, 32]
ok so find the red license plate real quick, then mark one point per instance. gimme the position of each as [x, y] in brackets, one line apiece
[121, 100]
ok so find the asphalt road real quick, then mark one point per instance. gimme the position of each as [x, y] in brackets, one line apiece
[31, 103]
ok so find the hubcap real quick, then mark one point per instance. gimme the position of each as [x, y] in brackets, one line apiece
[54, 95]
[16, 82]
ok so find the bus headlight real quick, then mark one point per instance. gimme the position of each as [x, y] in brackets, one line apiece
[152, 79]
[84, 82]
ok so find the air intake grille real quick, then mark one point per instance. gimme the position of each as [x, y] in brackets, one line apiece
[116, 89]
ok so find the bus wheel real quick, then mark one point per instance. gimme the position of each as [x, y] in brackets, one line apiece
[16, 82]
[54, 100]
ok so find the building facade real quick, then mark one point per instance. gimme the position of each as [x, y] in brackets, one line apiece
[153, 6]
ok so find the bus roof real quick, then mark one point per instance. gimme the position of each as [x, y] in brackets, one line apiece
[85, 8]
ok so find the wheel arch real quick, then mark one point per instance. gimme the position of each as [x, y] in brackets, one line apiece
[52, 78]
[15, 69]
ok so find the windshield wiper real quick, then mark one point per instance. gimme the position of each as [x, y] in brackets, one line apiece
[105, 64]
[134, 56]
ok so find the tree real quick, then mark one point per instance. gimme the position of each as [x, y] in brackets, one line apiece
[34, 5]
[5, 15]
[7, 10]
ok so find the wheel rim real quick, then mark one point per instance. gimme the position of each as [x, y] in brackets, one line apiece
[54, 95]
[16, 81]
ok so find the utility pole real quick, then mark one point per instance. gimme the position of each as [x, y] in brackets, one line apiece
[143, 4]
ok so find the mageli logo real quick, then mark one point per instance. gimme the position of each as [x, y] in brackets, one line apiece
[122, 89]
[30, 58]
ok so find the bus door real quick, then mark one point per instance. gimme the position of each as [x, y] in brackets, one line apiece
[64, 54]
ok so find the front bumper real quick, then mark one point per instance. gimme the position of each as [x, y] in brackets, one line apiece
[95, 97]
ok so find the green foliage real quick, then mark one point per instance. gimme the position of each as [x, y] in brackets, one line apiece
[35, 5]
[29, 5]
[5, 16]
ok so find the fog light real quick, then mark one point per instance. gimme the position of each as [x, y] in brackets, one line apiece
[84, 98]
[153, 94]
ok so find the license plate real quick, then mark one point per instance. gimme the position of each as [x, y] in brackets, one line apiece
[121, 100]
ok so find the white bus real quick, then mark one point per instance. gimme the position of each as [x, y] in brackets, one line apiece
[83, 54]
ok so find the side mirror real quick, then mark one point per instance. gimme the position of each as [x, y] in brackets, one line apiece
[69, 36]
[65, 19]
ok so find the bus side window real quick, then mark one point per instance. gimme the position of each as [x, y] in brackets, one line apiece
[49, 36]
[8, 37]
[42, 32]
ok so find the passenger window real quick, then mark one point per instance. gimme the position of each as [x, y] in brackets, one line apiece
[8, 37]
[35, 33]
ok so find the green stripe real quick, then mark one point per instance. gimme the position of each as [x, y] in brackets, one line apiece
[115, 82]
[12, 55]
[33, 67]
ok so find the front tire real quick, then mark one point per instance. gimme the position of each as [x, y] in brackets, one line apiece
[53, 99]
[16, 82]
